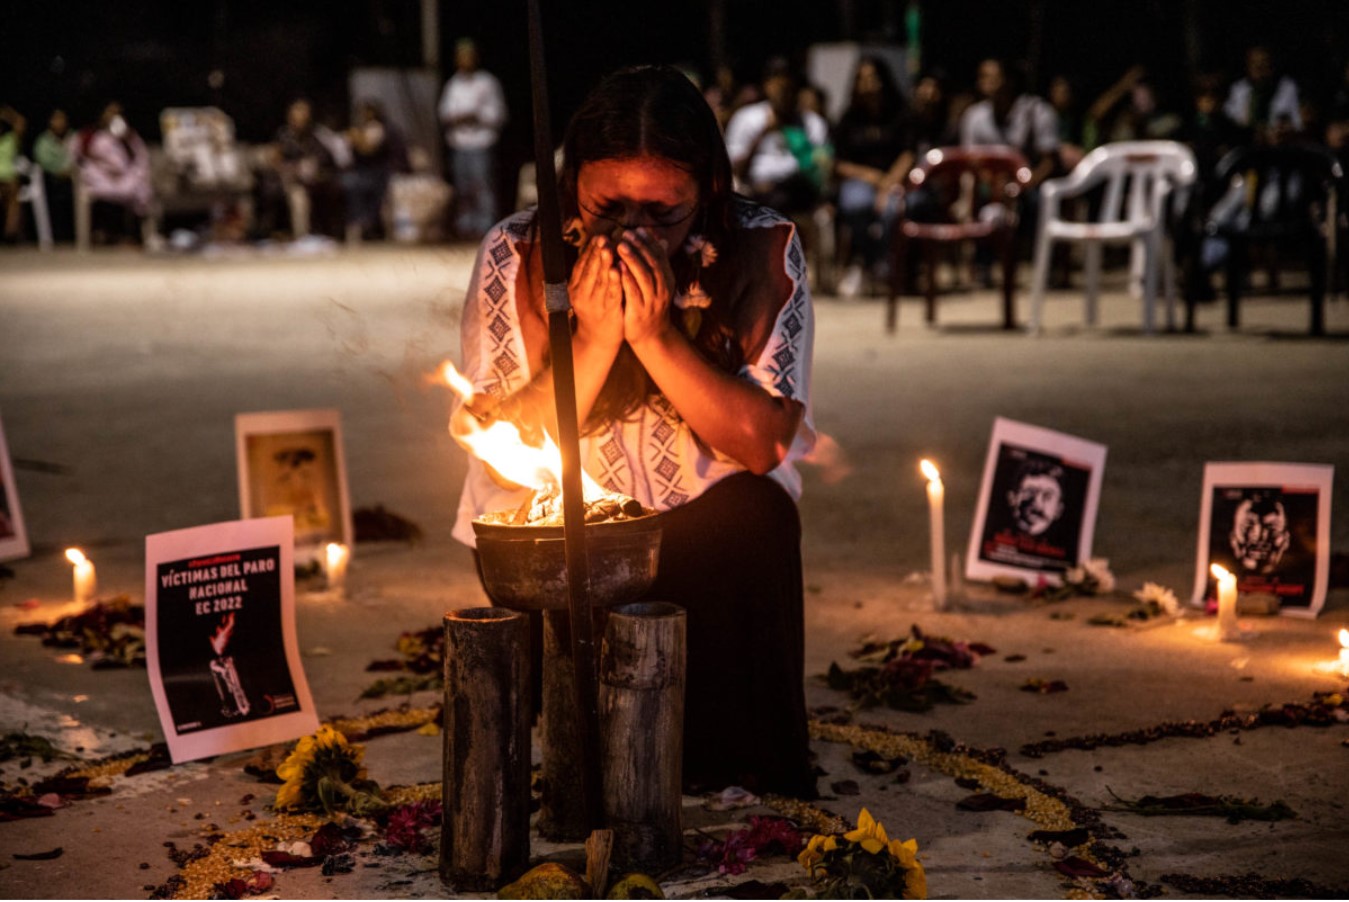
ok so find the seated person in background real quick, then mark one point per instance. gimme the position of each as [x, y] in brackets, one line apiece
[377, 152]
[51, 152]
[1028, 124]
[932, 119]
[114, 171]
[1261, 101]
[11, 134]
[873, 153]
[301, 177]
[1128, 111]
[779, 153]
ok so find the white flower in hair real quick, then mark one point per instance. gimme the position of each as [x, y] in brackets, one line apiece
[697, 244]
[693, 299]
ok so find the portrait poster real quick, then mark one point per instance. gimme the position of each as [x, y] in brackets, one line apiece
[1268, 524]
[221, 649]
[291, 462]
[1037, 503]
[13, 534]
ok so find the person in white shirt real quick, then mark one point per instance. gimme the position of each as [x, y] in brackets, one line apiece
[779, 153]
[1262, 102]
[473, 111]
[1007, 117]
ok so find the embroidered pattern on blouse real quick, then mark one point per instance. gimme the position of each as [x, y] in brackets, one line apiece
[784, 345]
[662, 426]
[497, 276]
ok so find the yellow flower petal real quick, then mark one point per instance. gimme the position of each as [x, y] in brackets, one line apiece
[872, 844]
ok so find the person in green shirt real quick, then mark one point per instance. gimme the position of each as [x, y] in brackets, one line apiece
[11, 133]
[51, 152]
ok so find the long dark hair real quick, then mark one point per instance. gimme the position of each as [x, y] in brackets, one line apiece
[655, 111]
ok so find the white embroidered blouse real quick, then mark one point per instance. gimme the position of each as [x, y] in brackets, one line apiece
[652, 456]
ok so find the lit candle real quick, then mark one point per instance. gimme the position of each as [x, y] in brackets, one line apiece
[935, 502]
[1344, 652]
[337, 558]
[86, 582]
[1227, 602]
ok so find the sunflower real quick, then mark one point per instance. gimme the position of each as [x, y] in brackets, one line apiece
[865, 863]
[324, 773]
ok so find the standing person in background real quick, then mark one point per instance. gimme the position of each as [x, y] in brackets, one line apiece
[1261, 101]
[473, 111]
[779, 153]
[11, 134]
[51, 152]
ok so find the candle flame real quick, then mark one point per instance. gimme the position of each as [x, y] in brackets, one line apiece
[1344, 638]
[500, 445]
[457, 381]
[929, 470]
[76, 557]
[1220, 572]
[336, 552]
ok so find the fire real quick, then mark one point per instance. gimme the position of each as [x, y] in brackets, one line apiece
[1220, 573]
[76, 557]
[930, 470]
[221, 637]
[1344, 639]
[499, 445]
[456, 381]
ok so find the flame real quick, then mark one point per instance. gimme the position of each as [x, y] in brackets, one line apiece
[76, 557]
[1344, 638]
[457, 382]
[221, 637]
[499, 445]
[336, 553]
[929, 470]
[1220, 572]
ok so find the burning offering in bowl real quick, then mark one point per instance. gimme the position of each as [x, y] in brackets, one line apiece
[521, 549]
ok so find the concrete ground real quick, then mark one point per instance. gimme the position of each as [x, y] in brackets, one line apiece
[120, 376]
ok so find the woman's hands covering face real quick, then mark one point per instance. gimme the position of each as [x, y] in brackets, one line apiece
[596, 292]
[648, 285]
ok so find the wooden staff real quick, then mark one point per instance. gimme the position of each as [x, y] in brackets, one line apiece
[484, 832]
[642, 677]
[549, 221]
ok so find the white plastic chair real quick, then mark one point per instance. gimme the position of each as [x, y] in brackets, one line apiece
[32, 191]
[1149, 171]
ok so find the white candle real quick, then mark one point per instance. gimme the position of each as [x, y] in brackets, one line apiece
[936, 494]
[337, 557]
[1227, 602]
[86, 581]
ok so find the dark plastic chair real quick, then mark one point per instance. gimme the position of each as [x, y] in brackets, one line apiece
[1281, 197]
[959, 194]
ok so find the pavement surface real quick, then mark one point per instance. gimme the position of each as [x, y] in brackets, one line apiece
[120, 376]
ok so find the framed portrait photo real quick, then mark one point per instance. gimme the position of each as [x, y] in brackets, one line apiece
[291, 463]
[13, 535]
[1037, 503]
[1268, 524]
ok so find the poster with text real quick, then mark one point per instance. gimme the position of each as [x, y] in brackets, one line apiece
[13, 535]
[1037, 503]
[1268, 524]
[291, 462]
[221, 648]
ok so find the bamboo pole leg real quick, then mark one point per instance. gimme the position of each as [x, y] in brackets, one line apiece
[641, 697]
[484, 834]
[562, 809]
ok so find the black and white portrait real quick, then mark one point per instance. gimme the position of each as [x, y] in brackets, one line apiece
[1038, 503]
[1267, 525]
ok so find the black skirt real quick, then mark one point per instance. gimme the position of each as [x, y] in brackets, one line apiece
[732, 559]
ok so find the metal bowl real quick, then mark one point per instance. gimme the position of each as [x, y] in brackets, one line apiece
[524, 567]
